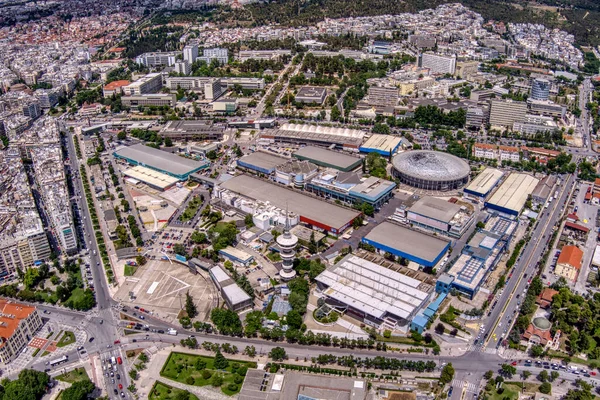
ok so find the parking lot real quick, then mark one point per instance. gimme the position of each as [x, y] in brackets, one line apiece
[161, 288]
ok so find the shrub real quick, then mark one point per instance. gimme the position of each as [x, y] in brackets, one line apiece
[242, 371]
[206, 374]
[217, 380]
[190, 380]
[232, 387]
[238, 379]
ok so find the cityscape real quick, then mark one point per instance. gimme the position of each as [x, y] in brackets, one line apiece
[214, 200]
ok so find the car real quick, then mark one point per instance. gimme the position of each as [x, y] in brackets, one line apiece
[118, 376]
[120, 386]
[137, 307]
[161, 331]
[514, 363]
[142, 317]
[116, 391]
[113, 381]
[80, 348]
[117, 341]
[134, 340]
[91, 339]
[122, 394]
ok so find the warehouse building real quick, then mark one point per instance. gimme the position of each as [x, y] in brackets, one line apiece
[243, 191]
[236, 298]
[382, 144]
[484, 183]
[440, 216]
[152, 178]
[371, 293]
[426, 250]
[311, 94]
[350, 188]
[512, 194]
[328, 158]
[304, 134]
[161, 161]
[261, 162]
[236, 256]
[193, 130]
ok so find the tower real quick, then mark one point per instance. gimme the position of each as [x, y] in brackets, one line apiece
[287, 243]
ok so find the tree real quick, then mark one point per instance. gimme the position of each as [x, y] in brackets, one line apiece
[250, 351]
[248, 221]
[79, 390]
[168, 142]
[217, 380]
[440, 328]
[488, 375]
[122, 135]
[447, 373]
[278, 354]
[294, 319]
[525, 374]
[536, 350]
[553, 376]
[179, 248]
[140, 260]
[335, 113]
[508, 370]
[543, 376]
[190, 307]
[198, 237]
[480, 225]
[220, 362]
[545, 388]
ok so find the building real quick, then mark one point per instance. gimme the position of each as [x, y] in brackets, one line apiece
[311, 95]
[383, 144]
[540, 89]
[569, 262]
[261, 162]
[512, 194]
[245, 55]
[182, 67]
[439, 215]
[544, 300]
[287, 243]
[349, 188]
[244, 192]
[150, 83]
[252, 123]
[295, 173]
[484, 183]
[219, 54]
[193, 130]
[383, 96]
[476, 117]
[424, 249]
[24, 250]
[18, 325]
[146, 100]
[380, 297]
[114, 88]
[158, 160]
[547, 108]
[495, 152]
[535, 124]
[420, 322]
[438, 65]
[213, 89]
[304, 134]
[157, 59]
[152, 178]
[236, 256]
[466, 69]
[244, 82]
[235, 298]
[380, 47]
[544, 188]
[190, 53]
[430, 170]
[328, 158]
[504, 113]
[225, 105]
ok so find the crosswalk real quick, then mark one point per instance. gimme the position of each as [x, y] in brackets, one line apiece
[481, 349]
[458, 384]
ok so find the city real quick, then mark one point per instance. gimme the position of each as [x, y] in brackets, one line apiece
[375, 206]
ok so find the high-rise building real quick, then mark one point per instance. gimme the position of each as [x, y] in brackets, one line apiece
[438, 64]
[150, 83]
[287, 243]
[540, 89]
[23, 252]
[182, 67]
[383, 96]
[157, 59]
[32, 110]
[506, 112]
[213, 89]
[190, 53]
[219, 54]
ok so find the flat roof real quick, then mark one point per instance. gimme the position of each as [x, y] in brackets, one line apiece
[308, 207]
[384, 143]
[372, 187]
[373, 289]
[158, 159]
[262, 160]
[151, 177]
[408, 241]
[324, 157]
[219, 274]
[438, 209]
[513, 192]
[236, 253]
[235, 294]
[485, 181]
[468, 272]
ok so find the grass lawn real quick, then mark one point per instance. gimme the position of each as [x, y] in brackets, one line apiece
[76, 295]
[274, 256]
[45, 353]
[160, 391]
[78, 374]
[511, 392]
[191, 209]
[181, 367]
[35, 352]
[129, 270]
[66, 339]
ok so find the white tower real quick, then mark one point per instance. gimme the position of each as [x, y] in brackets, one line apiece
[287, 243]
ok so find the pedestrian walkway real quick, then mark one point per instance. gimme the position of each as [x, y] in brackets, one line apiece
[468, 386]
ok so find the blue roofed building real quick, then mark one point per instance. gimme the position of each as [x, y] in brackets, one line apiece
[236, 256]
[420, 321]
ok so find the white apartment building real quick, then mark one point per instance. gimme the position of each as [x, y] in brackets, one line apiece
[182, 67]
[438, 65]
[494, 152]
[150, 83]
[190, 53]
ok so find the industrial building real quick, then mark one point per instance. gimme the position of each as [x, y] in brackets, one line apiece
[383, 96]
[430, 170]
[544, 188]
[193, 130]
[150, 177]
[484, 183]
[328, 158]
[161, 161]
[350, 188]
[236, 298]
[236, 256]
[382, 144]
[18, 325]
[371, 293]
[426, 250]
[304, 134]
[512, 194]
[252, 123]
[311, 94]
[439, 215]
[261, 162]
[243, 191]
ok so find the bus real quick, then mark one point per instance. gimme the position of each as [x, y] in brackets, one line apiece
[59, 361]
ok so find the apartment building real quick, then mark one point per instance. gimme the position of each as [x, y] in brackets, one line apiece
[383, 96]
[182, 67]
[437, 64]
[190, 53]
[495, 152]
[24, 251]
[150, 83]
[466, 69]
[18, 324]
[476, 116]
[504, 113]
[219, 54]
[157, 59]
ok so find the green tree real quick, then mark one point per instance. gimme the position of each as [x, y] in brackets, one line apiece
[447, 373]
[220, 362]
[536, 350]
[278, 354]
[190, 307]
[543, 376]
[545, 388]
[488, 375]
[78, 390]
[122, 135]
[294, 319]
[508, 370]
[217, 380]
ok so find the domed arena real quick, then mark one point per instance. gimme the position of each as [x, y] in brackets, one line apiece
[430, 170]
